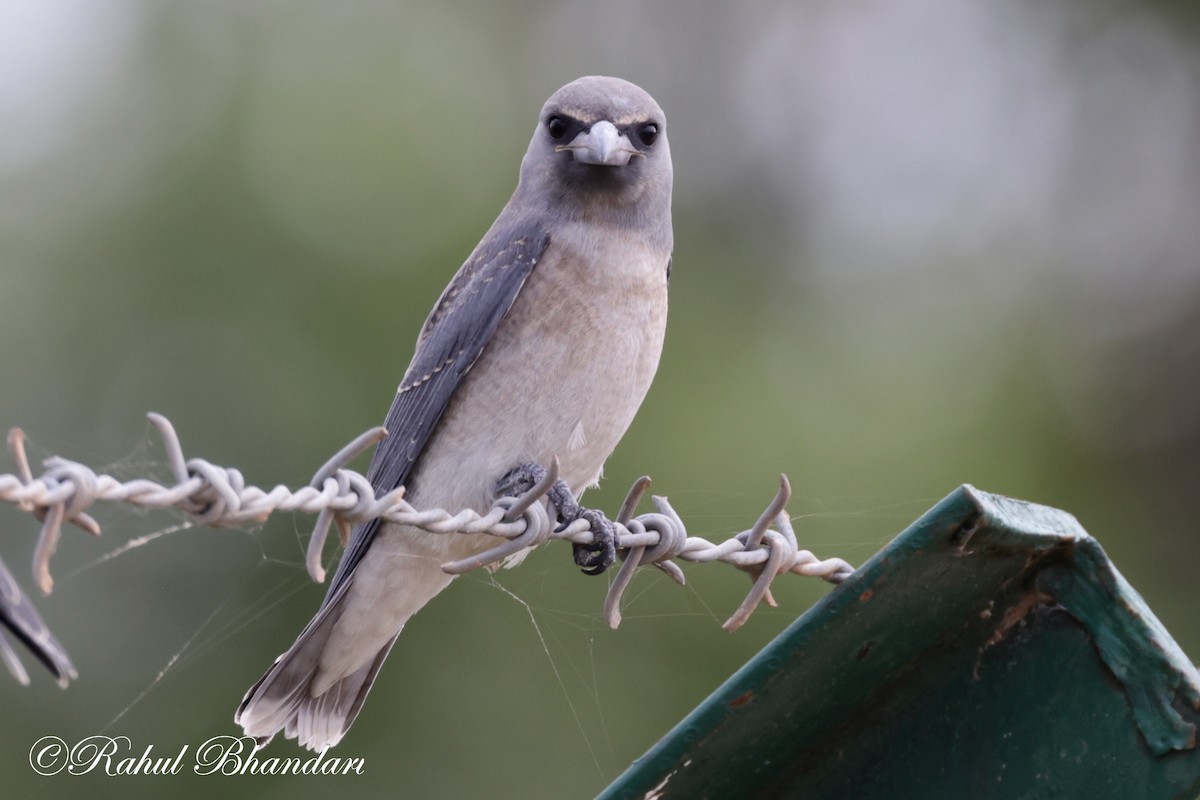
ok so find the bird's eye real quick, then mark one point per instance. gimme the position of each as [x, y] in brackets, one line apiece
[556, 127]
[648, 133]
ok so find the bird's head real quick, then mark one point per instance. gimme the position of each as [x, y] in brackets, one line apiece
[600, 143]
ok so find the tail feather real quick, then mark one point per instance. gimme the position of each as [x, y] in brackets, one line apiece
[282, 698]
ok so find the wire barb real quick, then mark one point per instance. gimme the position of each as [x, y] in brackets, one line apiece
[219, 497]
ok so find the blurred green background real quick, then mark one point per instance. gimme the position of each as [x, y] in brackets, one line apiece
[918, 245]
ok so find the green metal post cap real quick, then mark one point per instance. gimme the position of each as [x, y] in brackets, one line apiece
[991, 650]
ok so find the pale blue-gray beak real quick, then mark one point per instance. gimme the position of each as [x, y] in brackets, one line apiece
[602, 144]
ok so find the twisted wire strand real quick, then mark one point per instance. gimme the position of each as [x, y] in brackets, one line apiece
[219, 497]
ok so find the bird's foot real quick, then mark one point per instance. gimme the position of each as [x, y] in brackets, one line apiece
[593, 558]
[598, 556]
[520, 480]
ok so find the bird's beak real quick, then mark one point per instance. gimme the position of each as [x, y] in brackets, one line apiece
[602, 144]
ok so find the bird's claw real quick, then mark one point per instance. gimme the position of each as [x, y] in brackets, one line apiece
[593, 558]
[598, 556]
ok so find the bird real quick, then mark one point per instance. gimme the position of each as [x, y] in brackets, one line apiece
[18, 614]
[542, 347]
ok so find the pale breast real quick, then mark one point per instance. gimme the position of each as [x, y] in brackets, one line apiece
[563, 376]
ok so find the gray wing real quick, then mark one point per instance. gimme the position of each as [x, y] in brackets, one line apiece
[19, 616]
[455, 334]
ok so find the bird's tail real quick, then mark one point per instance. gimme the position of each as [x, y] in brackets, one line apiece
[282, 699]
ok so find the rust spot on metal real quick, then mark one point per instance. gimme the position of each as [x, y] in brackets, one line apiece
[1013, 617]
[738, 702]
[866, 596]
[1017, 613]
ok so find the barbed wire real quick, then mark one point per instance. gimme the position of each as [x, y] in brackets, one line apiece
[219, 497]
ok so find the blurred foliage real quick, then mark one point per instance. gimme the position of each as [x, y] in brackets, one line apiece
[916, 246]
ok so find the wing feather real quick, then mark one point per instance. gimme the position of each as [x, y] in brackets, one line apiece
[456, 333]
